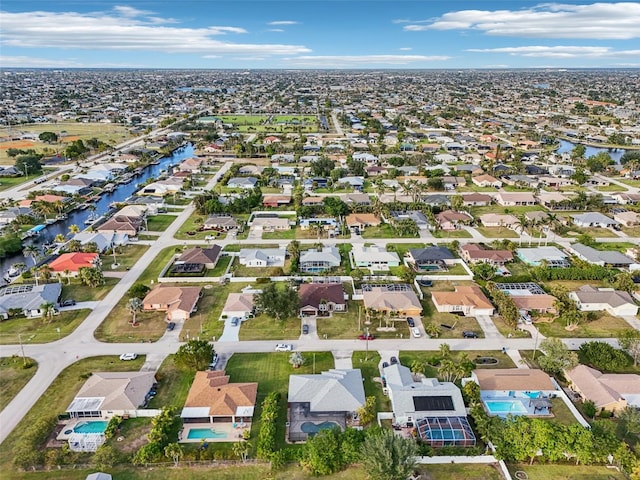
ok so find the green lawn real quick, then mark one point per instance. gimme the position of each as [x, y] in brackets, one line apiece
[457, 269]
[407, 357]
[9, 182]
[57, 398]
[561, 413]
[460, 472]
[368, 363]
[507, 330]
[192, 225]
[573, 231]
[497, 232]
[345, 325]
[84, 293]
[459, 323]
[402, 248]
[604, 327]
[451, 234]
[116, 327]
[159, 223]
[271, 371]
[152, 272]
[173, 385]
[264, 327]
[383, 230]
[126, 257]
[568, 471]
[13, 376]
[35, 330]
[477, 211]
[611, 188]
[289, 234]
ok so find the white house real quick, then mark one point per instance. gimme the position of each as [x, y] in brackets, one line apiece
[614, 302]
[262, 257]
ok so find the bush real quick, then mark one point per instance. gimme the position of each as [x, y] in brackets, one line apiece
[603, 356]
[267, 435]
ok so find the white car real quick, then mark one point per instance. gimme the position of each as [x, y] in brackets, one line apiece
[416, 332]
[128, 356]
[284, 347]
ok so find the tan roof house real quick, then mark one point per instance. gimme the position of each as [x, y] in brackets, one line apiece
[628, 218]
[452, 220]
[499, 220]
[512, 380]
[486, 181]
[362, 220]
[474, 253]
[476, 199]
[178, 302]
[391, 299]
[212, 399]
[467, 299]
[238, 305]
[121, 224]
[609, 391]
[513, 199]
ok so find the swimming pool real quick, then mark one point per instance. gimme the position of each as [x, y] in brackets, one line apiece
[504, 407]
[204, 434]
[313, 428]
[91, 427]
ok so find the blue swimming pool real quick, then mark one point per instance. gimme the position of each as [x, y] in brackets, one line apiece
[205, 434]
[313, 428]
[91, 427]
[504, 407]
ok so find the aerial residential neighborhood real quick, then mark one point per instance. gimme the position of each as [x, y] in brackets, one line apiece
[233, 285]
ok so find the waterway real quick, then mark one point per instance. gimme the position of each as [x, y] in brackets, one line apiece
[615, 154]
[120, 194]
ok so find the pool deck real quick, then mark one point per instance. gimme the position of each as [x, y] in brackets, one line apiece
[233, 434]
[526, 403]
[71, 424]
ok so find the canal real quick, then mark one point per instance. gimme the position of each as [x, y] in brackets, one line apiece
[615, 154]
[78, 217]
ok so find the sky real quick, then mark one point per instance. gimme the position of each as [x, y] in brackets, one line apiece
[328, 34]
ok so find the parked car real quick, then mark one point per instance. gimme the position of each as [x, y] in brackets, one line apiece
[385, 364]
[393, 360]
[235, 321]
[284, 347]
[68, 303]
[366, 337]
[171, 326]
[214, 362]
[128, 356]
[305, 329]
[411, 322]
[469, 334]
[416, 332]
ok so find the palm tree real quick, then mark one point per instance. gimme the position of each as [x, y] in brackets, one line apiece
[241, 450]
[74, 229]
[134, 305]
[522, 224]
[67, 273]
[45, 272]
[32, 252]
[59, 206]
[59, 238]
[48, 310]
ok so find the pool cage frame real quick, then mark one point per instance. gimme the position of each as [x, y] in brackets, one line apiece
[428, 426]
[86, 442]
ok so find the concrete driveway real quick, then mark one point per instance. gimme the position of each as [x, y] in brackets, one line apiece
[230, 333]
[488, 327]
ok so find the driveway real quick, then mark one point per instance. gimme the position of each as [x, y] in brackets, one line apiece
[342, 359]
[230, 333]
[80, 306]
[313, 329]
[488, 327]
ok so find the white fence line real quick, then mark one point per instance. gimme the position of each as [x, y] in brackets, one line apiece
[567, 401]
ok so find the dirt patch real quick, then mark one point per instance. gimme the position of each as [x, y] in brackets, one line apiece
[69, 138]
[132, 440]
[16, 144]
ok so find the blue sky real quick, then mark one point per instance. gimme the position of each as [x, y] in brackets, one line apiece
[318, 34]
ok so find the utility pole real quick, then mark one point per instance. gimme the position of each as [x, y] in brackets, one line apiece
[24, 359]
[535, 346]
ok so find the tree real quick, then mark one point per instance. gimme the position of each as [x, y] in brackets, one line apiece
[134, 305]
[629, 421]
[48, 310]
[194, 355]
[31, 251]
[557, 356]
[323, 453]
[91, 276]
[296, 359]
[73, 229]
[388, 457]
[629, 341]
[484, 270]
[406, 274]
[623, 281]
[367, 413]
[589, 408]
[174, 452]
[106, 456]
[335, 207]
[28, 164]
[138, 290]
[241, 450]
[279, 303]
[44, 272]
[48, 137]
[580, 176]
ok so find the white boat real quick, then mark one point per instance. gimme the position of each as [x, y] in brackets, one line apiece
[13, 272]
[90, 219]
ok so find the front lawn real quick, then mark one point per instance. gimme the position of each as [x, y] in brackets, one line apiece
[150, 325]
[383, 230]
[345, 325]
[152, 272]
[457, 323]
[289, 234]
[130, 255]
[408, 357]
[497, 232]
[193, 225]
[264, 327]
[368, 363]
[14, 375]
[173, 385]
[83, 293]
[452, 234]
[37, 330]
[605, 326]
[507, 330]
[159, 223]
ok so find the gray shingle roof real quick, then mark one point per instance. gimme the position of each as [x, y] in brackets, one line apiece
[331, 391]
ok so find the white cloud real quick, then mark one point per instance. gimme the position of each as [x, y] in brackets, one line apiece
[105, 31]
[278, 30]
[126, 11]
[617, 21]
[560, 52]
[405, 49]
[345, 61]
[35, 62]
[283, 22]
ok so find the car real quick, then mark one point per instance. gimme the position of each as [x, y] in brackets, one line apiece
[416, 332]
[234, 321]
[305, 329]
[411, 322]
[284, 347]
[171, 326]
[393, 360]
[214, 362]
[385, 364]
[366, 337]
[469, 334]
[425, 283]
[128, 356]
[68, 303]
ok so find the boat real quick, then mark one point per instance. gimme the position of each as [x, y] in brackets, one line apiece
[62, 216]
[91, 219]
[35, 231]
[13, 272]
[50, 221]
[109, 187]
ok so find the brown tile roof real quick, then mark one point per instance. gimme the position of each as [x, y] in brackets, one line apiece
[464, 295]
[313, 294]
[453, 216]
[212, 389]
[476, 252]
[535, 302]
[520, 379]
[200, 255]
[172, 298]
[362, 219]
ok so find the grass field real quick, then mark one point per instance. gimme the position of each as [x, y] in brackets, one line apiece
[9, 182]
[152, 272]
[193, 223]
[408, 357]
[84, 293]
[451, 234]
[14, 376]
[383, 231]
[36, 330]
[368, 363]
[263, 327]
[159, 223]
[567, 471]
[497, 232]
[604, 327]
[131, 253]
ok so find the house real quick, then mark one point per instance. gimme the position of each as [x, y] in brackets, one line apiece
[486, 181]
[170, 186]
[419, 218]
[356, 199]
[604, 258]
[331, 396]
[12, 213]
[529, 297]
[121, 224]
[514, 391]
[594, 219]
[515, 199]
[275, 201]
[437, 200]
[452, 220]
[623, 198]
[474, 253]
[354, 182]
[552, 200]
[321, 299]
[499, 220]
[196, 260]
[398, 300]
[270, 224]
[312, 201]
[106, 394]
[467, 299]
[28, 298]
[262, 257]
[375, 257]
[451, 183]
[212, 399]
[238, 305]
[362, 220]
[191, 165]
[627, 218]
[432, 258]
[536, 255]
[220, 222]
[69, 264]
[327, 223]
[103, 240]
[178, 302]
[436, 409]
[614, 302]
[319, 260]
[244, 183]
[609, 391]
[476, 200]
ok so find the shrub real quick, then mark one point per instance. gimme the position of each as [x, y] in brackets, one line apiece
[603, 356]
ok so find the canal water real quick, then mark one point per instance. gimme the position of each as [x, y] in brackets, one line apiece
[615, 154]
[120, 194]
